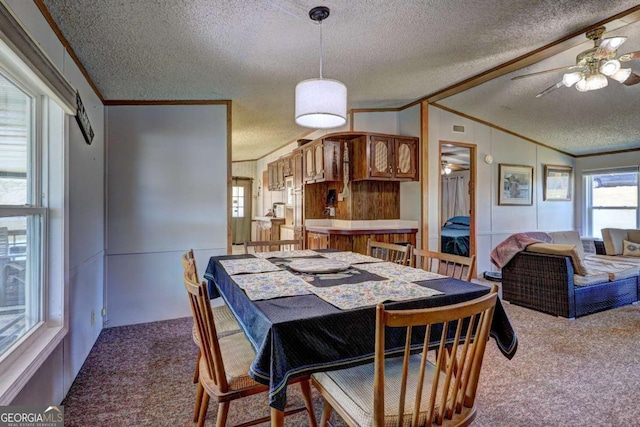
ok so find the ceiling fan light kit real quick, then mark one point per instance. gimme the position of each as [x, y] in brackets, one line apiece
[320, 103]
[621, 75]
[596, 65]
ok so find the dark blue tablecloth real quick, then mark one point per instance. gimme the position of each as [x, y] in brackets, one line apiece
[296, 336]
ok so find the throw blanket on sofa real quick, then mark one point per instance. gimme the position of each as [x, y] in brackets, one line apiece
[502, 254]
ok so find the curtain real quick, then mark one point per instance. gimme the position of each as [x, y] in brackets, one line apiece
[453, 197]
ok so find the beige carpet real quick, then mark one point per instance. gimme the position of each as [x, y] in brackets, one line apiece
[566, 373]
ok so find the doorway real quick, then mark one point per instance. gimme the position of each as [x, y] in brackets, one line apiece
[457, 198]
[241, 209]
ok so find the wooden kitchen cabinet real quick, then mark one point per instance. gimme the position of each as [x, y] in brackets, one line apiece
[322, 161]
[275, 171]
[317, 240]
[385, 157]
[287, 165]
[298, 173]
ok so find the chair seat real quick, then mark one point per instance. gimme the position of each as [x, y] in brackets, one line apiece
[354, 389]
[237, 356]
[226, 323]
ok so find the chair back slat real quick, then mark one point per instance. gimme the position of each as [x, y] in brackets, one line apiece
[455, 266]
[206, 329]
[391, 252]
[433, 392]
[189, 265]
[272, 245]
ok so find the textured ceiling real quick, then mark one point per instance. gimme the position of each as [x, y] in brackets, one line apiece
[388, 53]
[569, 120]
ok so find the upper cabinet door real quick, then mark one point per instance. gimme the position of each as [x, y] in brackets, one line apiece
[380, 157]
[319, 160]
[406, 155]
[309, 164]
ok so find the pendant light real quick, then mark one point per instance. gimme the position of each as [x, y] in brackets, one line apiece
[321, 103]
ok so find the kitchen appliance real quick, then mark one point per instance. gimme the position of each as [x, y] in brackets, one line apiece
[278, 210]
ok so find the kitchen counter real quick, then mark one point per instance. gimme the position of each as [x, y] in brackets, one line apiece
[361, 227]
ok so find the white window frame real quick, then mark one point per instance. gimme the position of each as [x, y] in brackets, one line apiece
[18, 365]
[588, 195]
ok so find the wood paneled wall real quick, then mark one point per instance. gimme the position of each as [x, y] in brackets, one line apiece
[369, 200]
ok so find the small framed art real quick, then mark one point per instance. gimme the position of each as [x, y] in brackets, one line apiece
[516, 185]
[557, 183]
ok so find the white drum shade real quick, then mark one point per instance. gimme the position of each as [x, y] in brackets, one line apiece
[321, 103]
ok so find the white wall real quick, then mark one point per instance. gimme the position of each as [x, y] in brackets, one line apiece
[409, 124]
[86, 225]
[598, 162]
[495, 223]
[166, 193]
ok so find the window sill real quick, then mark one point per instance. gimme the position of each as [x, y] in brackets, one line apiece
[16, 373]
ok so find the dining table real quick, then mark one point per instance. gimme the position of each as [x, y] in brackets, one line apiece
[307, 311]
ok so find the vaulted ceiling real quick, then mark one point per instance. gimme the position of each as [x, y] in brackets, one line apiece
[388, 53]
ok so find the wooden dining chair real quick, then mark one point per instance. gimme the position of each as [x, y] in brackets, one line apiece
[226, 323]
[456, 266]
[225, 363]
[272, 245]
[415, 389]
[391, 252]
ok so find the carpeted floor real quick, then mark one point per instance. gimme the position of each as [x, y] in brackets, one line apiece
[566, 373]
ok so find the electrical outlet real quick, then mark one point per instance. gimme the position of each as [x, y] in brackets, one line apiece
[104, 311]
[93, 317]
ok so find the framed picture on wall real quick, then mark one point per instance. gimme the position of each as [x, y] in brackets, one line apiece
[515, 185]
[557, 183]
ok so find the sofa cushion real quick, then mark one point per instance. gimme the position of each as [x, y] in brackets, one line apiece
[630, 248]
[590, 279]
[616, 270]
[633, 235]
[566, 250]
[568, 238]
[613, 238]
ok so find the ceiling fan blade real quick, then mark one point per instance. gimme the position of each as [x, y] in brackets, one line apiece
[629, 56]
[633, 79]
[608, 47]
[553, 70]
[550, 89]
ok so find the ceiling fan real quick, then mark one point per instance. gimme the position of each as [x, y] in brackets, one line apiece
[594, 65]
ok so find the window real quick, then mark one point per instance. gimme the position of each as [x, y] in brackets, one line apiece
[33, 216]
[611, 198]
[21, 215]
[237, 202]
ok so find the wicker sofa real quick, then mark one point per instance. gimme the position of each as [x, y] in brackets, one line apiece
[548, 282]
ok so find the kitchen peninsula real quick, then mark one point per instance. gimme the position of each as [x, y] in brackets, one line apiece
[349, 183]
[353, 235]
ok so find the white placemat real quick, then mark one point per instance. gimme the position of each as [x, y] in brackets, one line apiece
[286, 254]
[248, 265]
[275, 284]
[347, 297]
[400, 272]
[350, 257]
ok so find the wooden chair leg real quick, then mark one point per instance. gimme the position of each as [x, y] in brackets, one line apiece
[277, 418]
[196, 372]
[223, 411]
[326, 414]
[203, 410]
[199, 396]
[306, 395]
